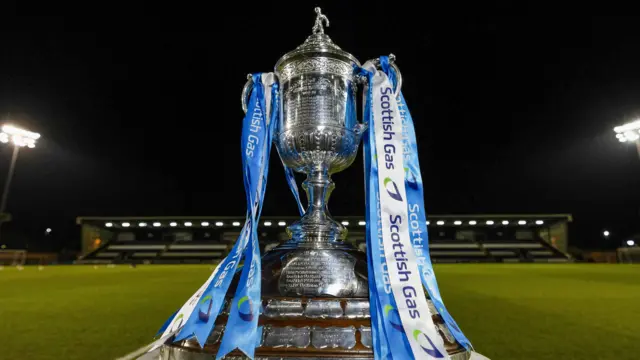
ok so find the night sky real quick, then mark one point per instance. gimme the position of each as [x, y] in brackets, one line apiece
[140, 115]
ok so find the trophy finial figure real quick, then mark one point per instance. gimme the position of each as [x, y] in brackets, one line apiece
[318, 28]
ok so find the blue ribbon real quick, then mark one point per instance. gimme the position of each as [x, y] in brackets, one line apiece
[417, 213]
[242, 326]
[388, 335]
[256, 141]
[291, 180]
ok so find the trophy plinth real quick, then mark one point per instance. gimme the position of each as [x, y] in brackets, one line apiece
[315, 295]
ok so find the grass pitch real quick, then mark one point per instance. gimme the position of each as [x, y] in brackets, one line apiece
[515, 311]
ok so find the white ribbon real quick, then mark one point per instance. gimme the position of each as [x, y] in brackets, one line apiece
[404, 275]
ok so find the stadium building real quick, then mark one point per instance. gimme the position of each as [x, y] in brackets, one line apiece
[198, 239]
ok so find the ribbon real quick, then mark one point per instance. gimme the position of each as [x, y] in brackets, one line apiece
[291, 180]
[417, 213]
[386, 329]
[241, 331]
[209, 299]
[402, 275]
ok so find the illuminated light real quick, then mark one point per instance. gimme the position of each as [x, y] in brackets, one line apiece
[440, 222]
[267, 223]
[457, 222]
[48, 231]
[631, 242]
[18, 140]
[142, 224]
[12, 130]
[539, 222]
[219, 223]
[125, 224]
[635, 125]
[157, 224]
[19, 137]
[622, 139]
[281, 223]
[522, 222]
[505, 222]
[428, 222]
[108, 224]
[173, 224]
[606, 233]
[631, 136]
[362, 223]
[236, 223]
[188, 223]
[345, 223]
[489, 222]
[620, 136]
[204, 223]
[472, 222]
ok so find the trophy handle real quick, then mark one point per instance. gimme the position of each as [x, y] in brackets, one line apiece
[392, 62]
[246, 91]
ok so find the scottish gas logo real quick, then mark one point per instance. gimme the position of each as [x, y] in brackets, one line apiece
[392, 189]
[177, 323]
[425, 342]
[245, 312]
[420, 337]
[204, 316]
[393, 317]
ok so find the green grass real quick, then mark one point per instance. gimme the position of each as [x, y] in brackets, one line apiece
[508, 311]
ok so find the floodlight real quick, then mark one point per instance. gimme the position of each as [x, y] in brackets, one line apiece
[19, 137]
[628, 132]
[635, 125]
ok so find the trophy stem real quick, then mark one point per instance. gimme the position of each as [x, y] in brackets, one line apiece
[317, 227]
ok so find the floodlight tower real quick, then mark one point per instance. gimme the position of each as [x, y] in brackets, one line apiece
[18, 138]
[629, 132]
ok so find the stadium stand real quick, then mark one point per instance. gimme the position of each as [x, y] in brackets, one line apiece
[461, 238]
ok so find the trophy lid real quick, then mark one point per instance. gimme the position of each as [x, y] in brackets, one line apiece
[319, 44]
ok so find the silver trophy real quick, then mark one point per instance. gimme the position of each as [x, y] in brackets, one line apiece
[314, 286]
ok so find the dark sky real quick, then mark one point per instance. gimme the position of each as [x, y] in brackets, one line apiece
[140, 115]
